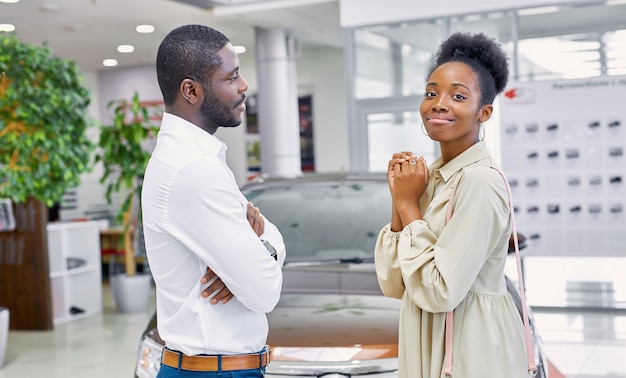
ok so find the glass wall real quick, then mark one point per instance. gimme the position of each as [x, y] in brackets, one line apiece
[393, 61]
[546, 43]
[390, 132]
[388, 66]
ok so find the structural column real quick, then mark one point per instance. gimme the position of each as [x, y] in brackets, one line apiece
[277, 102]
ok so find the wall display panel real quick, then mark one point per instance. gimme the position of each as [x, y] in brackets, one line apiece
[564, 151]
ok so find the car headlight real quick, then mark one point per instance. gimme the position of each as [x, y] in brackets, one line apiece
[148, 358]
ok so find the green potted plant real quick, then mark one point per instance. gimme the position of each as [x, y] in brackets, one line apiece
[44, 150]
[123, 154]
[43, 123]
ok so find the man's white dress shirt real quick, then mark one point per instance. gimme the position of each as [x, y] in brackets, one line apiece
[194, 216]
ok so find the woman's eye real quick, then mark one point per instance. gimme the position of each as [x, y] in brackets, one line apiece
[459, 97]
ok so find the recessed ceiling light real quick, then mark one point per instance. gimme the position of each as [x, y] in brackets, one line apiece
[7, 27]
[9, 1]
[125, 48]
[50, 7]
[240, 49]
[538, 10]
[109, 62]
[144, 28]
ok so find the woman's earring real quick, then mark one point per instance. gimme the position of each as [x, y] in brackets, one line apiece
[424, 129]
[481, 131]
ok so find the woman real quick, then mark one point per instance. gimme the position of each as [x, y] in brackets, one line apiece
[436, 266]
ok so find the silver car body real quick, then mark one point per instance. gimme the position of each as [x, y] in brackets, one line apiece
[332, 319]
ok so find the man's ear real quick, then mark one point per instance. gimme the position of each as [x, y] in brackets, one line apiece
[485, 113]
[191, 91]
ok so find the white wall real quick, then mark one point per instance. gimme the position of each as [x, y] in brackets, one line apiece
[121, 83]
[90, 190]
[320, 71]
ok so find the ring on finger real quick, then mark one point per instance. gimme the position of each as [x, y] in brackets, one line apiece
[412, 162]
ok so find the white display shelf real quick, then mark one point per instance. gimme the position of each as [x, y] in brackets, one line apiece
[75, 269]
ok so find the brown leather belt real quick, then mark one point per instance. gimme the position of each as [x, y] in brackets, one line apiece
[211, 363]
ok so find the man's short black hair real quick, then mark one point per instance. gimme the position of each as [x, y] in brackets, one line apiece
[189, 51]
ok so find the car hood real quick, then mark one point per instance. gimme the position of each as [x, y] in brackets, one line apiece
[329, 314]
[326, 318]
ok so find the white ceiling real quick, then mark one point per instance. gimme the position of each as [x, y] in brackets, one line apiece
[89, 31]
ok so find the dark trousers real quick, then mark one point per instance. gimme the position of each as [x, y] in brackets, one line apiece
[170, 372]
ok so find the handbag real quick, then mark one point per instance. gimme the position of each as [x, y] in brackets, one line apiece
[532, 366]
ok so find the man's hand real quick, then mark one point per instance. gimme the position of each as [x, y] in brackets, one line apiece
[217, 287]
[220, 292]
[256, 220]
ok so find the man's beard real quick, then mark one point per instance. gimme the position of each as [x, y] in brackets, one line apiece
[218, 113]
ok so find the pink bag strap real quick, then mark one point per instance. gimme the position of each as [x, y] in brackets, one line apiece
[530, 355]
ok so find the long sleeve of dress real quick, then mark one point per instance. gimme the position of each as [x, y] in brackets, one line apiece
[438, 263]
[387, 263]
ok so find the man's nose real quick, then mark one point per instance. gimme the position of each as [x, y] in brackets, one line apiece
[243, 86]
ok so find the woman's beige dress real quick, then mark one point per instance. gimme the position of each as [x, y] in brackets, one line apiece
[434, 268]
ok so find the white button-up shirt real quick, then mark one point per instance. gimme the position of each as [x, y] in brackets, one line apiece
[194, 216]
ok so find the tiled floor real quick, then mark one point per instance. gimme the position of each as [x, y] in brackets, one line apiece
[583, 344]
[98, 346]
[580, 344]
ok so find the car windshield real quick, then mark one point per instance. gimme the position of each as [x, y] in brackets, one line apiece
[326, 221]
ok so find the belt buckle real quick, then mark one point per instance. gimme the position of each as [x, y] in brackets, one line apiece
[179, 360]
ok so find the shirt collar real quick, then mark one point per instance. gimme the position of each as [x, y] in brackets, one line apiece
[476, 152]
[193, 134]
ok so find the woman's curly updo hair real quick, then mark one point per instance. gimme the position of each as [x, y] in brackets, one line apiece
[484, 55]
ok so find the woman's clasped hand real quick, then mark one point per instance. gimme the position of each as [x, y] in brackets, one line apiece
[407, 175]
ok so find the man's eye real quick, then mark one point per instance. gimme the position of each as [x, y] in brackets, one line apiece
[430, 94]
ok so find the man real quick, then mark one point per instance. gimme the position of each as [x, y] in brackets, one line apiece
[195, 217]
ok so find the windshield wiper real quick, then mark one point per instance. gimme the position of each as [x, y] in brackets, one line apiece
[338, 261]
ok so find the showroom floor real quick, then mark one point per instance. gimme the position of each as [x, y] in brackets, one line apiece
[580, 344]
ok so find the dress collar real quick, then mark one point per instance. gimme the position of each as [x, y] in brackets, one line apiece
[476, 152]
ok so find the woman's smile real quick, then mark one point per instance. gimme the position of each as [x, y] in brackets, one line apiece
[439, 120]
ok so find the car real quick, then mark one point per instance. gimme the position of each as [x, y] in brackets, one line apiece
[332, 319]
